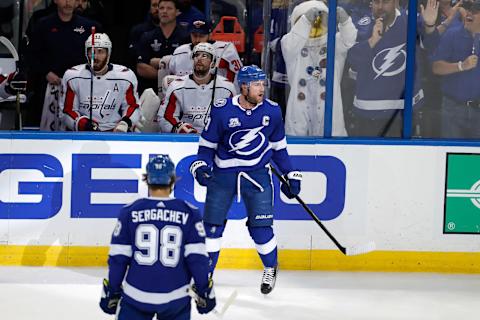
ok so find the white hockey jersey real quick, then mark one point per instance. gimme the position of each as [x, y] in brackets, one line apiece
[229, 62]
[114, 96]
[187, 101]
[306, 69]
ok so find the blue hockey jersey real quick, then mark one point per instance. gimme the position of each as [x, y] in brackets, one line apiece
[237, 139]
[161, 241]
[380, 71]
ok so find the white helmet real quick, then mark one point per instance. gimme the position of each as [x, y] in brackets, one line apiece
[205, 47]
[101, 40]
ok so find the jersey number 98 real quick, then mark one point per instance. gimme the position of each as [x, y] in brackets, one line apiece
[152, 243]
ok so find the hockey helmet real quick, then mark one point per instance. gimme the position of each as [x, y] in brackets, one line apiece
[251, 73]
[204, 47]
[160, 170]
[101, 40]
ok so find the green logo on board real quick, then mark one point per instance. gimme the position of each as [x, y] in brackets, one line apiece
[462, 194]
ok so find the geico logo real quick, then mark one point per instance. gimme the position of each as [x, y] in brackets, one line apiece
[34, 186]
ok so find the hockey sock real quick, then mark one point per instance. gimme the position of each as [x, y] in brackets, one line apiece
[266, 244]
[213, 243]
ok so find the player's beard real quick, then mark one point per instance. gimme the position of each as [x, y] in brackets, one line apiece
[201, 71]
[99, 67]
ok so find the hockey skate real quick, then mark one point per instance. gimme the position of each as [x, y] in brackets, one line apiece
[268, 280]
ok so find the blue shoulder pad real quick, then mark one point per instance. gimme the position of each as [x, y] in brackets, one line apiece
[191, 206]
[220, 103]
[273, 103]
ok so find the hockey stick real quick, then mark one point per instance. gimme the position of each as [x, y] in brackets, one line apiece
[215, 311]
[91, 74]
[212, 100]
[349, 251]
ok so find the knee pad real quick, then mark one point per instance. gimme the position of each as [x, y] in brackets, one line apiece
[214, 236]
[264, 239]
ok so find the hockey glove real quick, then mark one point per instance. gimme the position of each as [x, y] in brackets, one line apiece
[201, 171]
[205, 301]
[85, 124]
[109, 300]
[292, 187]
[184, 127]
[123, 125]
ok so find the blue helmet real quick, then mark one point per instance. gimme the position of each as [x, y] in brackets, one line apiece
[160, 170]
[251, 73]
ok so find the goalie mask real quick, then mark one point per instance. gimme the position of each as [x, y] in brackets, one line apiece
[100, 40]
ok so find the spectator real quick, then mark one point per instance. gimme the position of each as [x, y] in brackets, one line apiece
[188, 14]
[456, 60]
[138, 30]
[86, 8]
[158, 43]
[305, 51]
[379, 60]
[57, 43]
[181, 63]
[105, 100]
[188, 100]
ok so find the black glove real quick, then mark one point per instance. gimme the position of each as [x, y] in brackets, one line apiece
[201, 171]
[292, 187]
[205, 301]
[109, 300]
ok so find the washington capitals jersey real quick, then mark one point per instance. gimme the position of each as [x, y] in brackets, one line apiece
[161, 241]
[237, 139]
[187, 101]
[114, 96]
[381, 70]
[229, 62]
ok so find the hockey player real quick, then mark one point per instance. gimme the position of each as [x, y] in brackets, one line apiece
[181, 62]
[157, 247]
[243, 135]
[305, 50]
[114, 100]
[186, 106]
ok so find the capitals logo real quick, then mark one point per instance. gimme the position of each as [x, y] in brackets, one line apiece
[390, 61]
[247, 141]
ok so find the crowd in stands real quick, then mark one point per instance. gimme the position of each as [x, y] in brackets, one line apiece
[172, 71]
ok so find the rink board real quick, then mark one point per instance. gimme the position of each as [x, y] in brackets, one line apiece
[60, 193]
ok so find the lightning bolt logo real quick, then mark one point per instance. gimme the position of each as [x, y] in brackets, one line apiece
[246, 140]
[389, 60]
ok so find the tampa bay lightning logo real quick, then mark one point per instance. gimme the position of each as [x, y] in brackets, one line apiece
[390, 61]
[247, 141]
[220, 103]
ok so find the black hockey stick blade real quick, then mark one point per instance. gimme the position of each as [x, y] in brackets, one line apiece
[349, 251]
